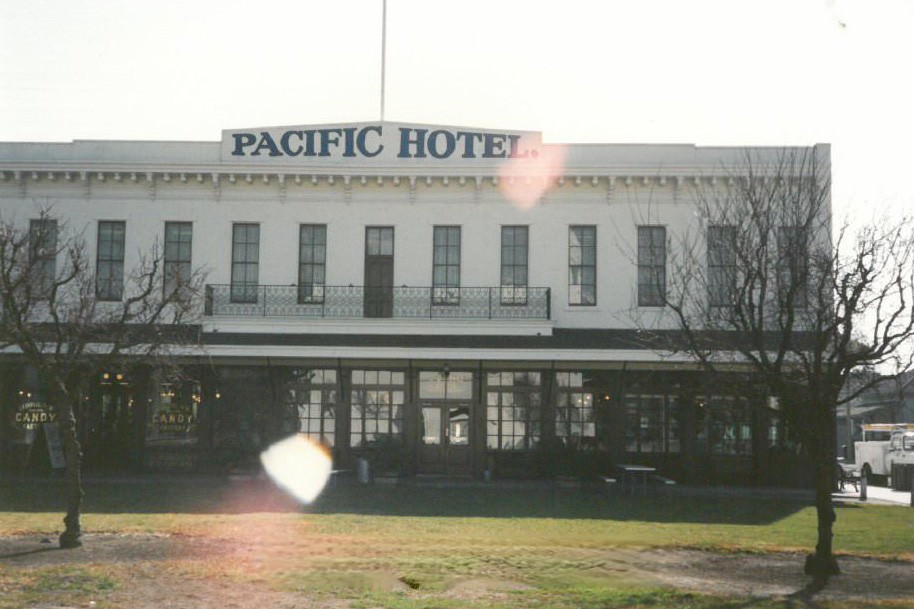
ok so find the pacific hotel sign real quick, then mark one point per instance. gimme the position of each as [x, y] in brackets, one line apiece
[381, 141]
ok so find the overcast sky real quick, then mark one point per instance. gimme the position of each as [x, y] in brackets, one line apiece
[728, 72]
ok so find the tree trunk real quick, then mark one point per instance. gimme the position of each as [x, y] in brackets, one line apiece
[70, 538]
[822, 564]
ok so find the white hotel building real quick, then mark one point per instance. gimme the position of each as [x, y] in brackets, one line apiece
[441, 300]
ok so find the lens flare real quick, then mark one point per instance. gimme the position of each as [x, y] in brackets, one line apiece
[523, 180]
[298, 465]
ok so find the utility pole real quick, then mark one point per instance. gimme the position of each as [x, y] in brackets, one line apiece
[383, 51]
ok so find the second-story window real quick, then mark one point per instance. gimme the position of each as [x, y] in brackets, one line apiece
[245, 262]
[793, 266]
[582, 265]
[721, 266]
[109, 261]
[514, 265]
[446, 265]
[178, 245]
[43, 255]
[312, 261]
[651, 266]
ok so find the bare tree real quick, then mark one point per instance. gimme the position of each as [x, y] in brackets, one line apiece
[53, 314]
[763, 283]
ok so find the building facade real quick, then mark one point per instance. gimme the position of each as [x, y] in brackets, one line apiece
[440, 300]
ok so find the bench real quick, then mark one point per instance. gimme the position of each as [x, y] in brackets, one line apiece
[642, 479]
[848, 474]
[335, 475]
[608, 484]
[663, 480]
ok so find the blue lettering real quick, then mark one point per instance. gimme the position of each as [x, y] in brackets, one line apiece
[329, 137]
[360, 142]
[266, 142]
[469, 138]
[406, 142]
[493, 146]
[450, 144]
[368, 141]
[242, 140]
[309, 143]
[284, 142]
[348, 143]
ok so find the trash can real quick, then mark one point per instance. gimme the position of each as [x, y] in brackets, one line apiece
[364, 470]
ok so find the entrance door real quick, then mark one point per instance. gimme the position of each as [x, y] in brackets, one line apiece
[444, 438]
[379, 271]
[108, 432]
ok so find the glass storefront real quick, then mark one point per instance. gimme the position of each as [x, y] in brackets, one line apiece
[523, 422]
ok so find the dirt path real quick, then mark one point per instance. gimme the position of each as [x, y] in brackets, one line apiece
[138, 561]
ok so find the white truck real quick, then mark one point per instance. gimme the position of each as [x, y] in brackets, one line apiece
[886, 451]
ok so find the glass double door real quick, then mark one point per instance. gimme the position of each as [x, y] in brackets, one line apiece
[108, 429]
[445, 438]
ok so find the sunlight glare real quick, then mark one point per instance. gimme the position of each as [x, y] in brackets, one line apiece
[524, 180]
[299, 466]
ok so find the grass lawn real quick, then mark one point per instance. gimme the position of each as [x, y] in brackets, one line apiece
[383, 546]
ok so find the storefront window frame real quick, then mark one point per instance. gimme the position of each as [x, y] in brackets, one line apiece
[514, 410]
[319, 422]
[575, 411]
[385, 391]
[668, 426]
[720, 430]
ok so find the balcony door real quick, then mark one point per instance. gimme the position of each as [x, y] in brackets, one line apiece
[245, 262]
[379, 271]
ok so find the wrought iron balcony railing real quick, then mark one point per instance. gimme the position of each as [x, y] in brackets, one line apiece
[341, 302]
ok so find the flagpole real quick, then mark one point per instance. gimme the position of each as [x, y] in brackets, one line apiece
[383, 51]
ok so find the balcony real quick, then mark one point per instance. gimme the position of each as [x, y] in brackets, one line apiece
[359, 302]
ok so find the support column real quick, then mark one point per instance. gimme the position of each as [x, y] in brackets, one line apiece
[7, 415]
[342, 454]
[478, 460]
[139, 393]
[206, 418]
[551, 450]
[689, 434]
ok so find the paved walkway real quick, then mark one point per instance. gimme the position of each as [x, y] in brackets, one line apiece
[876, 494]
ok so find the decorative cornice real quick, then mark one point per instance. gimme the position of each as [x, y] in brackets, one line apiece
[90, 172]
